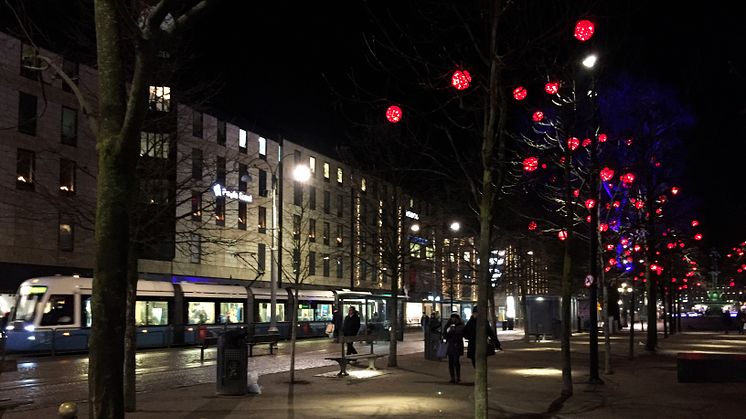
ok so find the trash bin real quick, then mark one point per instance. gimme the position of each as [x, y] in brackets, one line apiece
[232, 363]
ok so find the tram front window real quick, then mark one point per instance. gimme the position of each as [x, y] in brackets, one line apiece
[59, 310]
[28, 298]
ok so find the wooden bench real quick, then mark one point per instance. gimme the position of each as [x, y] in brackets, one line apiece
[260, 340]
[697, 367]
[344, 359]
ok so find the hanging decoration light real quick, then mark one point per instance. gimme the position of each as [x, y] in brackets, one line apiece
[695, 223]
[562, 235]
[586, 142]
[590, 203]
[602, 228]
[519, 93]
[639, 204]
[602, 138]
[698, 236]
[551, 87]
[538, 116]
[573, 143]
[530, 164]
[584, 30]
[461, 80]
[627, 178]
[393, 114]
[532, 225]
[607, 174]
[675, 190]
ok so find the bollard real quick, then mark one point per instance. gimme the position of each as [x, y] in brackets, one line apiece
[68, 410]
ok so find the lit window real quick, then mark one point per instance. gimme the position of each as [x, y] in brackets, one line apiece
[69, 126]
[363, 185]
[154, 144]
[67, 176]
[196, 206]
[312, 165]
[195, 248]
[201, 312]
[197, 124]
[263, 147]
[242, 216]
[25, 162]
[151, 313]
[242, 140]
[27, 113]
[220, 210]
[326, 172]
[65, 238]
[231, 313]
[160, 98]
[340, 176]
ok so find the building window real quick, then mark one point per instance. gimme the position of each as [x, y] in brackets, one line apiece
[340, 232]
[25, 169]
[262, 225]
[67, 176]
[243, 177]
[312, 230]
[363, 271]
[71, 69]
[363, 185]
[326, 172]
[65, 236]
[363, 211]
[196, 164]
[297, 193]
[312, 197]
[262, 148]
[296, 227]
[261, 257]
[296, 157]
[160, 98]
[220, 170]
[242, 141]
[220, 210]
[311, 263]
[340, 268]
[242, 215]
[154, 144]
[30, 62]
[262, 183]
[69, 126]
[326, 233]
[27, 113]
[312, 165]
[197, 118]
[296, 260]
[221, 133]
[340, 205]
[195, 248]
[340, 176]
[196, 206]
[327, 202]
[326, 266]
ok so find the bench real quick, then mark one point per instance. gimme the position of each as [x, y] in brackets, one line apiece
[204, 344]
[344, 359]
[262, 339]
[697, 367]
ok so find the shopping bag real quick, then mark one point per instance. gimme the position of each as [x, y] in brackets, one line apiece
[330, 328]
[442, 350]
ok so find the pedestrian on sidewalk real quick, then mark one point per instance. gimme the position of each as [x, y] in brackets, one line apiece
[455, 340]
[740, 320]
[337, 322]
[470, 333]
[351, 327]
[424, 321]
[727, 322]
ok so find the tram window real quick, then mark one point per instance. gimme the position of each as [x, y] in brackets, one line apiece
[151, 313]
[201, 312]
[27, 301]
[59, 310]
[264, 312]
[85, 311]
[231, 313]
[323, 312]
[305, 312]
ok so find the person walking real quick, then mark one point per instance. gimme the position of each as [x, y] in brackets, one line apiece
[740, 320]
[337, 322]
[424, 320]
[351, 327]
[727, 322]
[470, 333]
[455, 343]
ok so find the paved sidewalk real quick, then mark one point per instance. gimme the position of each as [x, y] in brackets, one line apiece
[524, 380]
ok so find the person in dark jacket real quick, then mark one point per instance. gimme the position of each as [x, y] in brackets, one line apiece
[455, 340]
[470, 333]
[351, 327]
[337, 322]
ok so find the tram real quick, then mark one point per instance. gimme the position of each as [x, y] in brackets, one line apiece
[53, 314]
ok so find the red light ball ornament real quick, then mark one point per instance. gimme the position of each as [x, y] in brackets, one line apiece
[602, 138]
[697, 236]
[393, 114]
[519, 93]
[590, 203]
[675, 190]
[573, 143]
[695, 223]
[461, 80]
[606, 174]
[562, 235]
[551, 88]
[586, 142]
[602, 228]
[627, 178]
[530, 164]
[584, 30]
[538, 116]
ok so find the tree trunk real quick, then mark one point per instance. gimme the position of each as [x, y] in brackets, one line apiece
[397, 269]
[293, 332]
[632, 322]
[130, 337]
[652, 340]
[567, 390]
[607, 324]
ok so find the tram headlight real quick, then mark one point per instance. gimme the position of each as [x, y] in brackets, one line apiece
[9, 328]
[29, 328]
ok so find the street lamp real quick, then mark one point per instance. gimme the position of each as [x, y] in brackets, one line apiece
[590, 61]
[301, 173]
[455, 226]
